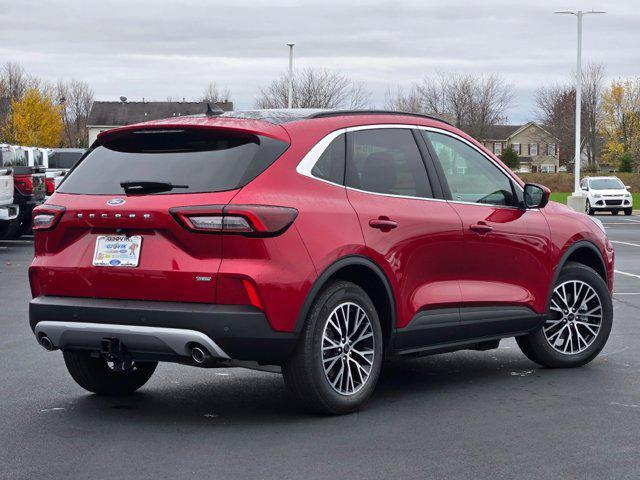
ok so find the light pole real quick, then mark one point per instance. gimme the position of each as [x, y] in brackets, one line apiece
[576, 166]
[290, 96]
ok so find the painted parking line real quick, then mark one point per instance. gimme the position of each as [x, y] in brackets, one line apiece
[18, 242]
[627, 274]
[626, 243]
[626, 293]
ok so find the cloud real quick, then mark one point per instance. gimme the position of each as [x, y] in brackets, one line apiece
[155, 49]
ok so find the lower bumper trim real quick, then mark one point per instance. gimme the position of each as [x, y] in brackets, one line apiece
[69, 335]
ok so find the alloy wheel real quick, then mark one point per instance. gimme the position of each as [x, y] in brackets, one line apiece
[348, 348]
[575, 319]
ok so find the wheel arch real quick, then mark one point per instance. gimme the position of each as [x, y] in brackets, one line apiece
[365, 273]
[585, 253]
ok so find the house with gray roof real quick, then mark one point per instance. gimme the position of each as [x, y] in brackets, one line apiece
[108, 115]
[537, 149]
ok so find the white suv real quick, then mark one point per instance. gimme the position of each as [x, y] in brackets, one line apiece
[607, 194]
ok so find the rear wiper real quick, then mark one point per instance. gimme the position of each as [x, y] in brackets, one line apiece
[147, 186]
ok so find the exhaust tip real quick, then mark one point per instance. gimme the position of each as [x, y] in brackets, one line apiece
[46, 343]
[199, 354]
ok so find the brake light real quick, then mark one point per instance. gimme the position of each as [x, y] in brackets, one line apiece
[51, 185]
[250, 220]
[46, 217]
[24, 184]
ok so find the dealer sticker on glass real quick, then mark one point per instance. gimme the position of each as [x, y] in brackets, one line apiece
[117, 251]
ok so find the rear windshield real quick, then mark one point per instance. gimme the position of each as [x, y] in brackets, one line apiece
[8, 159]
[606, 184]
[64, 159]
[202, 160]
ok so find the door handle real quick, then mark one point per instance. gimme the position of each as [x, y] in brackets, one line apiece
[383, 224]
[481, 228]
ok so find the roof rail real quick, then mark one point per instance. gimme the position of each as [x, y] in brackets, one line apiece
[339, 113]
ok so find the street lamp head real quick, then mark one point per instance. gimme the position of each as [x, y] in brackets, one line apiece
[290, 44]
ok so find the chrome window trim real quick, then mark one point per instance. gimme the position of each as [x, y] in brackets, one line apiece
[307, 163]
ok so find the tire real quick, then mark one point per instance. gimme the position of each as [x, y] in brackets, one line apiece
[588, 209]
[93, 374]
[304, 373]
[24, 224]
[615, 212]
[9, 228]
[539, 350]
[628, 211]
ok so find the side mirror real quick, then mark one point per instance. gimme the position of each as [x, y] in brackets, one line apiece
[628, 187]
[536, 196]
[586, 189]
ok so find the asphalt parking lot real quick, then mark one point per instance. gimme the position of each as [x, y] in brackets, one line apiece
[460, 415]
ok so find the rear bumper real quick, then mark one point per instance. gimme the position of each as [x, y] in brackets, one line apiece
[234, 332]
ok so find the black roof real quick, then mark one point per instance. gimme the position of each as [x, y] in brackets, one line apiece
[500, 132]
[285, 115]
[127, 113]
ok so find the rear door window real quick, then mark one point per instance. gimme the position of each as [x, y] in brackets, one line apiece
[386, 160]
[203, 160]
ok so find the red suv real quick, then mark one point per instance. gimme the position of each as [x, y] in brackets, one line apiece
[321, 243]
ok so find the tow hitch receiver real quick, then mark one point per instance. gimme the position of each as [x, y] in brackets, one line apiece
[115, 353]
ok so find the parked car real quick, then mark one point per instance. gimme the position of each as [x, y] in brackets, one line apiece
[316, 243]
[58, 162]
[8, 211]
[29, 190]
[607, 194]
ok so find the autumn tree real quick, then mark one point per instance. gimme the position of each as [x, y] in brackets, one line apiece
[621, 119]
[36, 120]
[315, 88]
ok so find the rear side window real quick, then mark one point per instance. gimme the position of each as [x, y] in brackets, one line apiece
[203, 160]
[330, 166]
[386, 161]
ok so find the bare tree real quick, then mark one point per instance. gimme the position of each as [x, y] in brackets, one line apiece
[592, 88]
[75, 97]
[473, 103]
[411, 101]
[214, 94]
[556, 112]
[314, 88]
[14, 82]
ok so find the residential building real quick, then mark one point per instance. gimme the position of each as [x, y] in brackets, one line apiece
[537, 149]
[107, 115]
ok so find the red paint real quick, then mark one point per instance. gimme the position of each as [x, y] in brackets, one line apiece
[435, 254]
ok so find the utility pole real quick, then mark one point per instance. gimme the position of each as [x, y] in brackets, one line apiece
[577, 200]
[290, 97]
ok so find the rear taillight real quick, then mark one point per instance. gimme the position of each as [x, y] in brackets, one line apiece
[51, 185]
[46, 217]
[249, 220]
[24, 184]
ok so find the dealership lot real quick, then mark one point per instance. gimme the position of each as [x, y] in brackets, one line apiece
[461, 415]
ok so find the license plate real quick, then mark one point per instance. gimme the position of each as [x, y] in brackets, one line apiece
[117, 251]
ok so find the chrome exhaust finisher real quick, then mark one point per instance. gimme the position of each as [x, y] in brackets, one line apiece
[46, 343]
[159, 340]
[199, 355]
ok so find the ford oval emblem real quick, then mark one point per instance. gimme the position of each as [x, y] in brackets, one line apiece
[116, 201]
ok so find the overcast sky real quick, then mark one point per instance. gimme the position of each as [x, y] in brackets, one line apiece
[155, 49]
